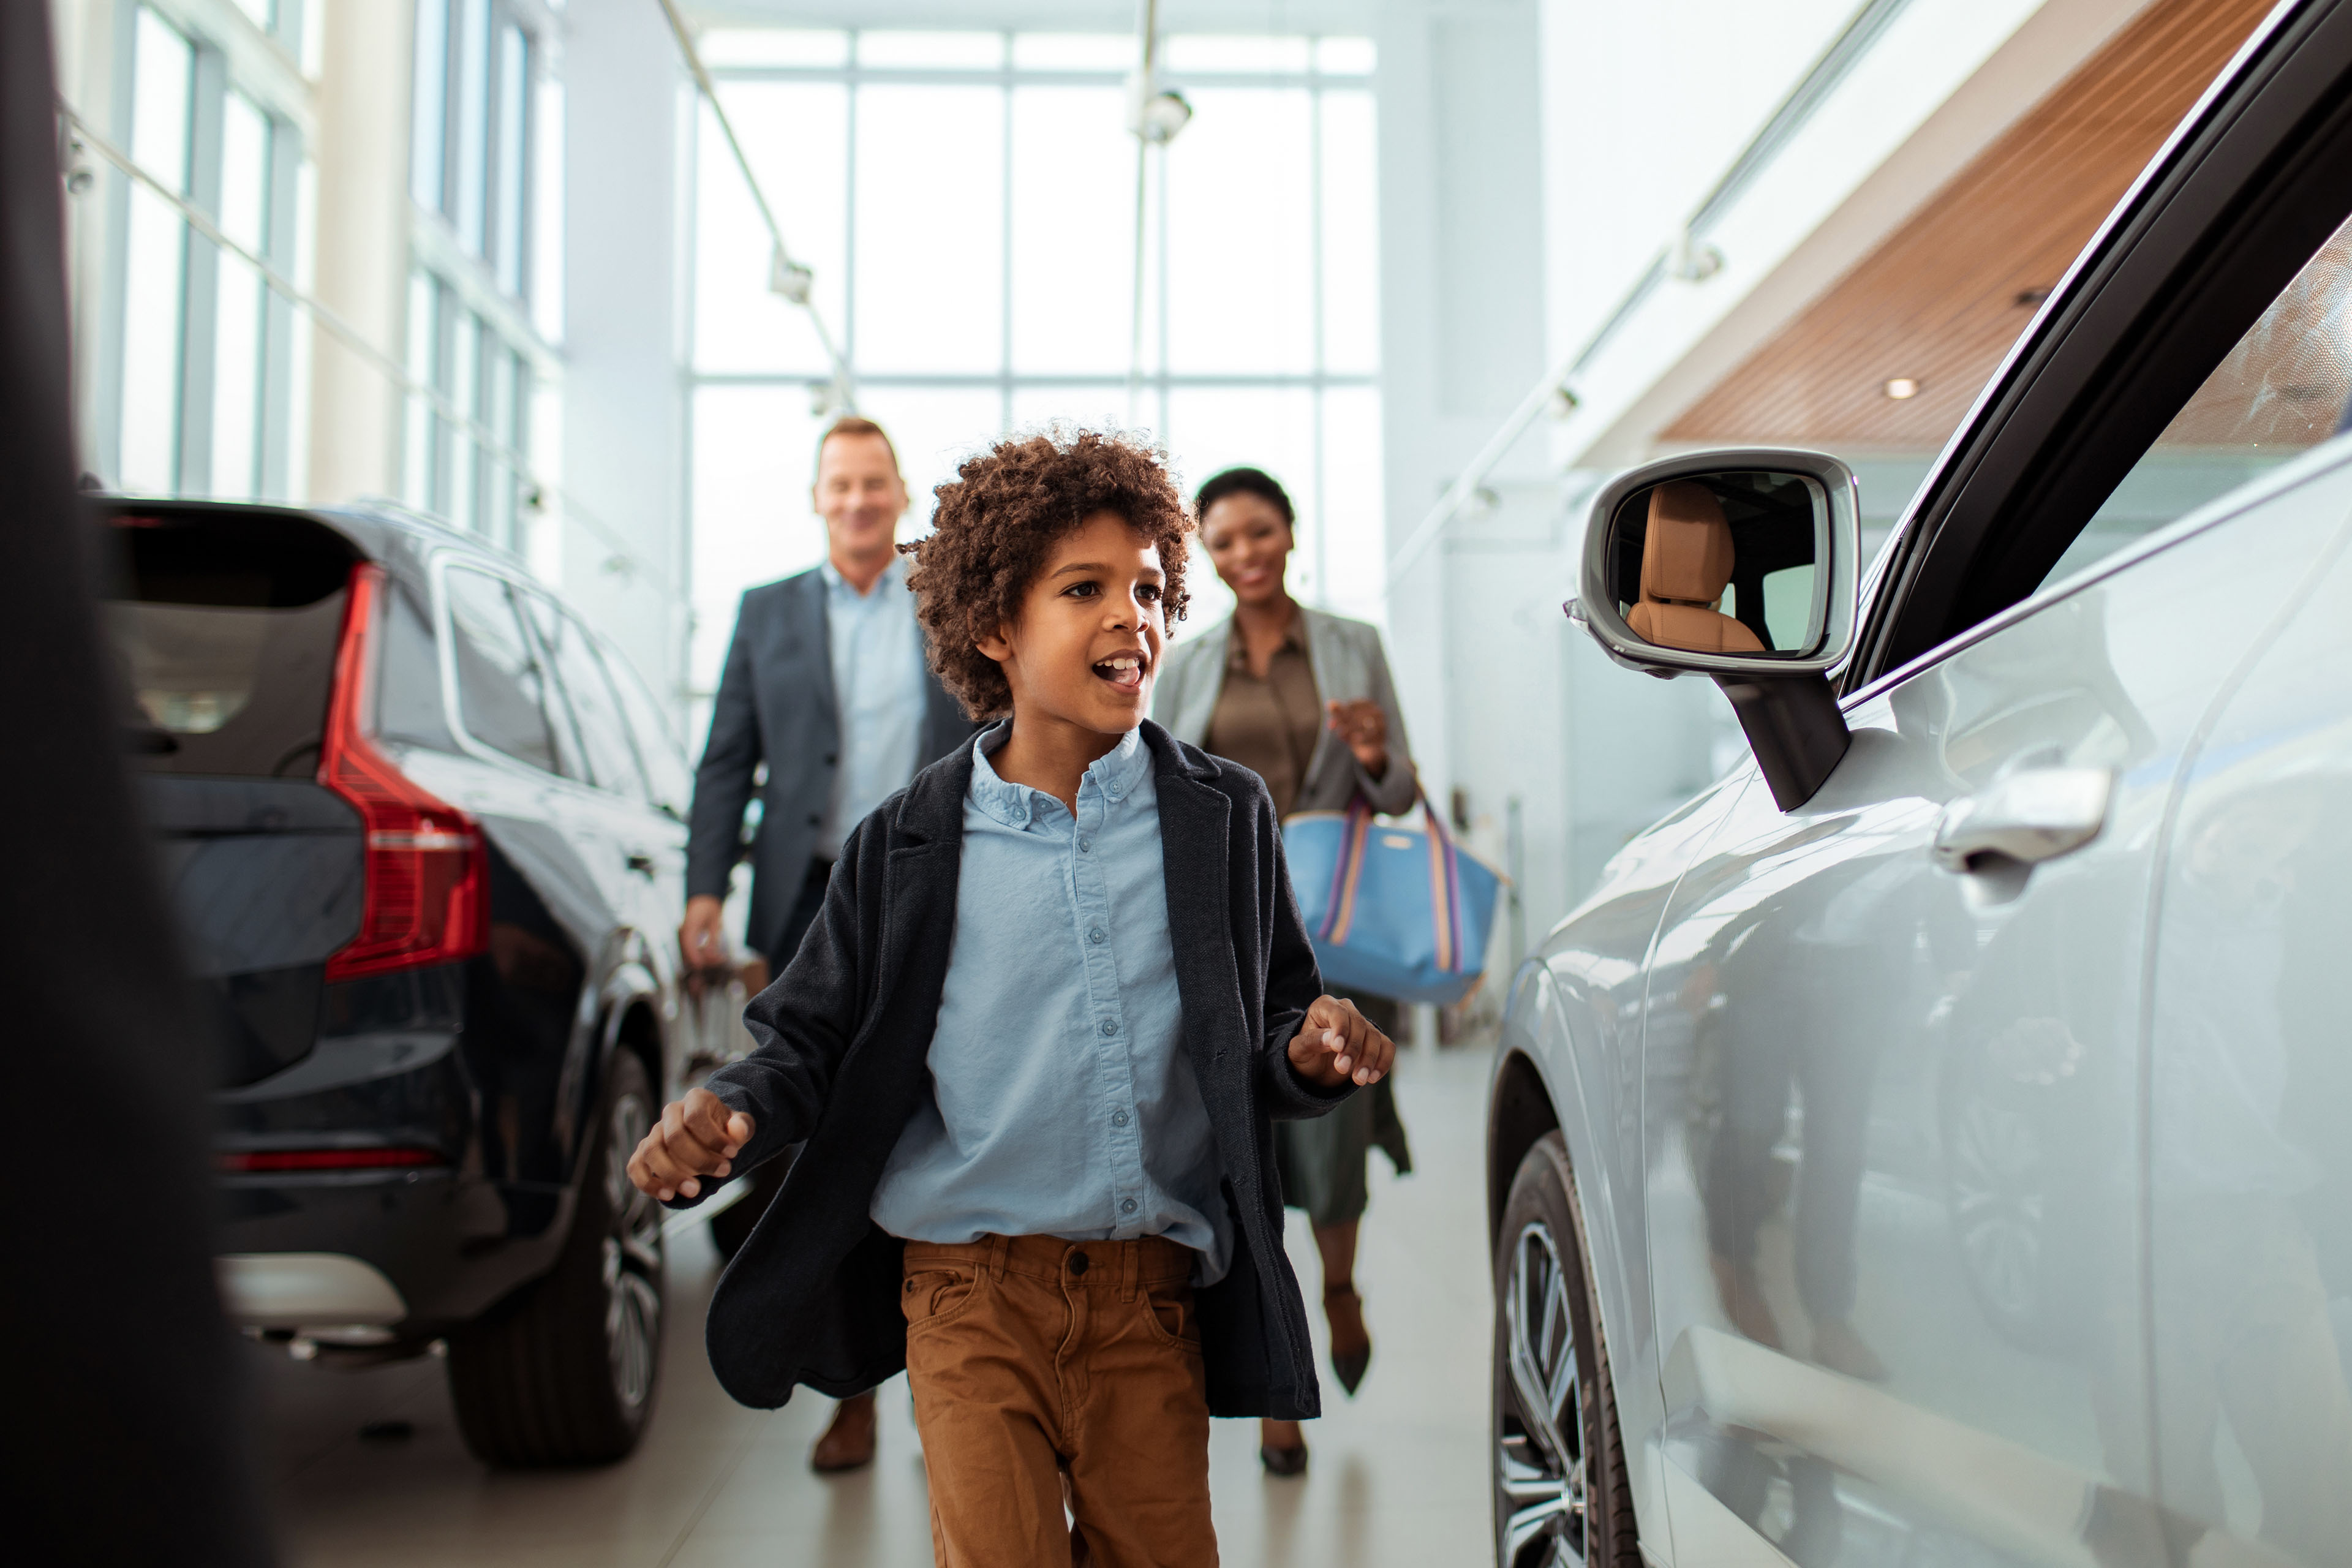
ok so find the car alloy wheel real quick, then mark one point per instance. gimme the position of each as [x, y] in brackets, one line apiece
[1540, 1462]
[632, 1261]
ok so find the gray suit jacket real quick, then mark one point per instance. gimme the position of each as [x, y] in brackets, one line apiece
[776, 705]
[1350, 667]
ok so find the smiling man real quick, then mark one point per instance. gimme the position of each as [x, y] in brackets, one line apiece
[826, 685]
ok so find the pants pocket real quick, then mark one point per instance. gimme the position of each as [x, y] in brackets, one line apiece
[936, 1292]
[1168, 1314]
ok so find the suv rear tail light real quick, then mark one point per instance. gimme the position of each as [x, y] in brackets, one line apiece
[429, 873]
[247, 1160]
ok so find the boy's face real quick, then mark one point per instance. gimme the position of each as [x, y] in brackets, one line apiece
[1084, 648]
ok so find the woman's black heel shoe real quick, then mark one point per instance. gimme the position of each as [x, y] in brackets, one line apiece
[1351, 1342]
[1281, 1459]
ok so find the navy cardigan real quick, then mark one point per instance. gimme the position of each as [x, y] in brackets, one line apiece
[845, 1034]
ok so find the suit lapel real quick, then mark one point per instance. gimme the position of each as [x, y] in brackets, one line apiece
[808, 653]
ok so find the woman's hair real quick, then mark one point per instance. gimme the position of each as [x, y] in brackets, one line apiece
[997, 520]
[1245, 482]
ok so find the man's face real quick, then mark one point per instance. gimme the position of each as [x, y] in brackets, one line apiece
[859, 495]
[1084, 648]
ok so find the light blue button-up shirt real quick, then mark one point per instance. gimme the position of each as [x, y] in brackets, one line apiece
[1063, 1103]
[876, 651]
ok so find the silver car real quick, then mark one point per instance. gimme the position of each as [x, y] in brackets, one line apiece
[1932, 1142]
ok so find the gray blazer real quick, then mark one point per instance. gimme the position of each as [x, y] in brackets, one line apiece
[1348, 666]
[776, 705]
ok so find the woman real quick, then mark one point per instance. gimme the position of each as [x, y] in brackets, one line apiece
[1303, 700]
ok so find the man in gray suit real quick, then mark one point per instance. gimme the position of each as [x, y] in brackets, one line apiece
[825, 683]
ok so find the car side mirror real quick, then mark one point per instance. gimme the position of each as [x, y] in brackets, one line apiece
[1741, 564]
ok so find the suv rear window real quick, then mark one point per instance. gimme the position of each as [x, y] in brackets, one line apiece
[225, 624]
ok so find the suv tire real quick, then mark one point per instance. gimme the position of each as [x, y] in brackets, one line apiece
[1561, 1493]
[562, 1371]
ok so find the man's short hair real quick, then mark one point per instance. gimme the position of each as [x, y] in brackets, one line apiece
[854, 425]
[997, 520]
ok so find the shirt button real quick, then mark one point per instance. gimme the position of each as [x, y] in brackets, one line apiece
[1126, 1205]
[1119, 1119]
[1096, 936]
[1108, 1028]
[1086, 846]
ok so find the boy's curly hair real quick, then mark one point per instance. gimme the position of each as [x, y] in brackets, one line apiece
[1001, 515]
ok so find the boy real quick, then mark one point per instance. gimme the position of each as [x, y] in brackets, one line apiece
[1033, 1044]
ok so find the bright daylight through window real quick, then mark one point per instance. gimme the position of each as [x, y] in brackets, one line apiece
[967, 203]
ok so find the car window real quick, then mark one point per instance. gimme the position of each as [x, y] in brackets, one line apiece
[501, 690]
[606, 758]
[669, 782]
[2284, 387]
[408, 672]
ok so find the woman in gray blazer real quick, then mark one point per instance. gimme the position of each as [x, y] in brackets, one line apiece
[1303, 700]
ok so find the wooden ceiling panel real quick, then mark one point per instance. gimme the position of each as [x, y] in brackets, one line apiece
[1941, 300]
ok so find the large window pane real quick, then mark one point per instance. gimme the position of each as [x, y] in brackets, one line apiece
[724, 47]
[1351, 234]
[753, 468]
[155, 248]
[885, 50]
[1075, 51]
[417, 484]
[465, 390]
[1241, 52]
[428, 117]
[1240, 292]
[1073, 230]
[1355, 529]
[514, 103]
[930, 236]
[238, 312]
[935, 429]
[797, 136]
[473, 122]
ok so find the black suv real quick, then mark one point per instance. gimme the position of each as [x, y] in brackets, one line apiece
[423, 831]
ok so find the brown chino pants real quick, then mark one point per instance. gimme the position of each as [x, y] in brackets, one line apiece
[1029, 1357]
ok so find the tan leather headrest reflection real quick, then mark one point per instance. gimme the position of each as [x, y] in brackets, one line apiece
[1686, 562]
[1687, 556]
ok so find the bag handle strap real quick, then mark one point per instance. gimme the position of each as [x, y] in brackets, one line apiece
[1444, 878]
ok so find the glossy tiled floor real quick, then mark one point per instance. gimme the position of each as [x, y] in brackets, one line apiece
[1398, 1476]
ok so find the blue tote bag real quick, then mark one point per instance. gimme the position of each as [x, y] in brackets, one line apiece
[1392, 910]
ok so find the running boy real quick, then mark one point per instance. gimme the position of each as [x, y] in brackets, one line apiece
[1033, 1044]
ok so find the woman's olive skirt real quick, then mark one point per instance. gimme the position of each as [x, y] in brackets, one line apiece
[1322, 1163]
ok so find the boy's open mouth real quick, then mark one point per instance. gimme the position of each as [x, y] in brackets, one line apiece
[1124, 670]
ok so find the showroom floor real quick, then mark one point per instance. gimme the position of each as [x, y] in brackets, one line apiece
[1399, 1474]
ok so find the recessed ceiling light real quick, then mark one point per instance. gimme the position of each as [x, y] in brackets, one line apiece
[1901, 387]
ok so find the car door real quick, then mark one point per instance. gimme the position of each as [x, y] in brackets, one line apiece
[1927, 1115]
[2250, 1200]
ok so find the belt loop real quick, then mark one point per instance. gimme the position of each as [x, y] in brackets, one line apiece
[1131, 1266]
[998, 1246]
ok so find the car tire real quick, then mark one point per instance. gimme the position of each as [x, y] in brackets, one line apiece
[1561, 1489]
[563, 1371]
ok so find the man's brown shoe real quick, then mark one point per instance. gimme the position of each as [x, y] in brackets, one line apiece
[848, 1442]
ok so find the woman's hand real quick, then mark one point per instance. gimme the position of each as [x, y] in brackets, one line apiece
[1365, 728]
[1335, 1045]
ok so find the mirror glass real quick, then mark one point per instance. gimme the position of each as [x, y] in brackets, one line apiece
[1725, 562]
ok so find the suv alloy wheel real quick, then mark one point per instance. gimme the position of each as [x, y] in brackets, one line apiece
[1561, 1493]
[563, 1371]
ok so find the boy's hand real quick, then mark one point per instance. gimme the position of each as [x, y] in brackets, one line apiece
[1337, 1045]
[697, 1136]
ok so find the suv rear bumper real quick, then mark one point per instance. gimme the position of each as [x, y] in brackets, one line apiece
[306, 1291]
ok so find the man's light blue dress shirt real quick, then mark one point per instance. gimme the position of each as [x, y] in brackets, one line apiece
[878, 693]
[1063, 1103]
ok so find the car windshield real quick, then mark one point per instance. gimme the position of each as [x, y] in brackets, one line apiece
[225, 628]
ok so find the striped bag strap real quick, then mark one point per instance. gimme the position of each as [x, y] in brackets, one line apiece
[1347, 872]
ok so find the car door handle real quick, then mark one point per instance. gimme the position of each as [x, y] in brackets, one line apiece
[2024, 818]
[642, 865]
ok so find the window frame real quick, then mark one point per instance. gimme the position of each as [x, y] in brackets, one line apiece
[2219, 222]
